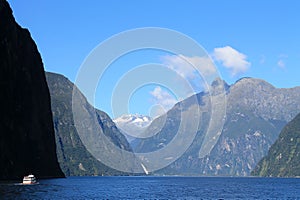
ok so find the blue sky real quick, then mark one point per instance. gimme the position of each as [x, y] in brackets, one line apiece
[245, 38]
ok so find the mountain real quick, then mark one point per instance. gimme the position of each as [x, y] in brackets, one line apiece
[132, 125]
[27, 141]
[227, 145]
[283, 158]
[73, 156]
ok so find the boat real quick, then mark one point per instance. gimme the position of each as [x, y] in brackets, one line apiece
[30, 179]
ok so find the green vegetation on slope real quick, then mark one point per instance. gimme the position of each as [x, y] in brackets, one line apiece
[73, 157]
[283, 159]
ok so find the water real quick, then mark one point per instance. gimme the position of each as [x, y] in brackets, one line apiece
[155, 188]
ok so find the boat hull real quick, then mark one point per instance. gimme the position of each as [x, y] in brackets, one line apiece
[29, 182]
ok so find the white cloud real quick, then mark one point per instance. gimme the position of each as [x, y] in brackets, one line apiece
[281, 61]
[195, 70]
[163, 98]
[281, 64]
[232, 59]
[189, 67]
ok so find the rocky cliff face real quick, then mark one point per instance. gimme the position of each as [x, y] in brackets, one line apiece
[255, 113]
[73, 156]
[283, 158]
[27, 143]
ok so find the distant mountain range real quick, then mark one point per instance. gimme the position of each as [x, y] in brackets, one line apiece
[256, 111]
[73, 156]
[132, 125]
[283, 158]
[27, 143]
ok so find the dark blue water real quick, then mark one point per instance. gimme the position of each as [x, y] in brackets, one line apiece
[155, 188]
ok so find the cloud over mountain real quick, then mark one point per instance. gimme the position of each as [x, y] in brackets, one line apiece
[232, 59]
[163, 98]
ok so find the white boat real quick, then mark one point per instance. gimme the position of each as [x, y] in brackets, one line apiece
[30, 179]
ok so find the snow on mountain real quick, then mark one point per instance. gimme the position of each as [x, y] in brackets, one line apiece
[132, 125]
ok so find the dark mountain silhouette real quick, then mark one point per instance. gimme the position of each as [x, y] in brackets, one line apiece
[27, 140]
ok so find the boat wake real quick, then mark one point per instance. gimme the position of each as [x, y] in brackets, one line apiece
[37, 183]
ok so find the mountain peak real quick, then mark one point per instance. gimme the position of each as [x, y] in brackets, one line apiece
[137, 119]
[132, 124]
[218, 86]
[253, 81]
[5, 9]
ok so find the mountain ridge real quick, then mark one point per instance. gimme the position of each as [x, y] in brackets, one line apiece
[73, 155]
[254, 117]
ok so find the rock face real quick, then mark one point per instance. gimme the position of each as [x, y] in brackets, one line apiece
[255, 113]
[283, 159]
[74, 158]
[27, 142]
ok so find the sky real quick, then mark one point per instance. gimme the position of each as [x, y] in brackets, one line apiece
[249, 38]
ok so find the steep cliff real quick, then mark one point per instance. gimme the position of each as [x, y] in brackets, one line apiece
[27, 143]
[73, 156]
[283, 159]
